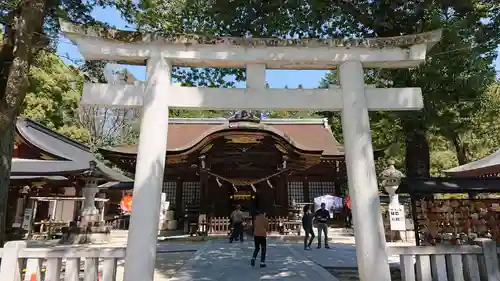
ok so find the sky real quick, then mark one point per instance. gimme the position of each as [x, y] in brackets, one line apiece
[276, 78]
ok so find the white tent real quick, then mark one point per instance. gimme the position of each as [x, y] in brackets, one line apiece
[332, 203]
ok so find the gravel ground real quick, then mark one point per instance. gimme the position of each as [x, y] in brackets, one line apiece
[351, 273]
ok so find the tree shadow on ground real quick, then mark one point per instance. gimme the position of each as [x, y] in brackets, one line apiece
[223, 261]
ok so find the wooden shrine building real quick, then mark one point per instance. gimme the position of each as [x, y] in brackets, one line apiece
[46, 176]
[214, 164]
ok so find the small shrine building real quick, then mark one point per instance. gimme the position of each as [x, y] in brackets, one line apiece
[460, 207]
[47, 179]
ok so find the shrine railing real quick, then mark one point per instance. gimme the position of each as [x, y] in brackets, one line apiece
[478, 262]
[70, 264]
[276, 224]
[442, 263]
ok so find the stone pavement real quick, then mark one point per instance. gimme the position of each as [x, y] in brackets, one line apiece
[167, 265]
[219, 260]
[339, 255]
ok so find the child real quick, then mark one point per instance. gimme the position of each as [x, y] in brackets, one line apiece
[261, 226]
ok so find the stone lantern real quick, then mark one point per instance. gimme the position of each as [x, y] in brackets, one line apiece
[391, 178]
[90, 213]
[90, 229]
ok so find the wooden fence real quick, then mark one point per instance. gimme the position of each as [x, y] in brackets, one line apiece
[437, 263]
[276, 224]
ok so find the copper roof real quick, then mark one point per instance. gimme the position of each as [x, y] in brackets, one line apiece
[311, 134]
[69, 156]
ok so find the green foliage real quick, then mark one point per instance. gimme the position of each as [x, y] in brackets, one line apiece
[54, 94]
[453, 80]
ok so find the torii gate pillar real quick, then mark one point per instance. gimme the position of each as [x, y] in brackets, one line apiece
[353, 99]
[149, 172]
[361, 176]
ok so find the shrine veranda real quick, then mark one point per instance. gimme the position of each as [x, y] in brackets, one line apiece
[157, 94]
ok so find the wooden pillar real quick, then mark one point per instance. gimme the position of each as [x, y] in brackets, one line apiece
[204, 197]
[78, 205]
[284, 192]
[342, 176]
[203, 185]
[178, 197]
[305, 188]
[414, 214]
[337, 178]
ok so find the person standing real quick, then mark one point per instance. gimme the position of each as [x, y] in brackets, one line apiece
[261, 225]
[237, 222]
[348, 211]
[307, 225]
[321, 216]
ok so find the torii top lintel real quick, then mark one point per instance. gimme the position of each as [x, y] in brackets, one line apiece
[97, 43]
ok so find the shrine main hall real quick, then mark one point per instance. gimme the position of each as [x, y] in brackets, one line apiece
[214, 164]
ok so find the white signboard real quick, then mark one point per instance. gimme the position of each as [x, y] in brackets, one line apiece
[28, 212]
[397, 218]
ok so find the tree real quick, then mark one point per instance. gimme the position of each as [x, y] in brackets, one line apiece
[23, 26]
[29, 26]
[107, 126]
[471, 41]
[53, 95]
[53, 100]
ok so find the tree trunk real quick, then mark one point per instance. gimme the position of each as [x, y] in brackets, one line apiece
[463, 154]
[417, 160]
[24, 32]
[6, 147]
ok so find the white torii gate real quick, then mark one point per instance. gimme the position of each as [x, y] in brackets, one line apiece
[157, 95]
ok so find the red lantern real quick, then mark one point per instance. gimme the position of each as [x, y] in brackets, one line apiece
[126, 203]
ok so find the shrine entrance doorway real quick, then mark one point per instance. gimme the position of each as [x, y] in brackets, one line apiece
[245, 197]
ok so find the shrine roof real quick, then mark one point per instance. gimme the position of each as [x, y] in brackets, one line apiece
[67, 156]
[307, 134]
[39, 167]
[485, 166]
[435, 185]
[68, 28]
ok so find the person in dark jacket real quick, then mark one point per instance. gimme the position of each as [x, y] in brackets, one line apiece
[237, 218]
[307, 225]
[322, 215]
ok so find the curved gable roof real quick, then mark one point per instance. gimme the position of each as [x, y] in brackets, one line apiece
[71, 156]
[304, 134]
[52, 143]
